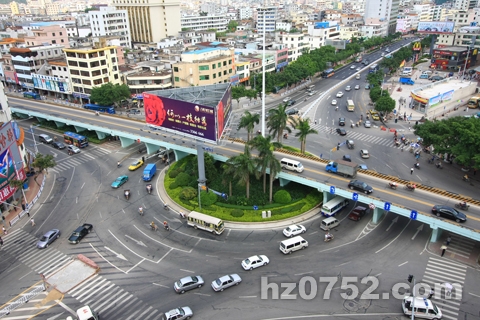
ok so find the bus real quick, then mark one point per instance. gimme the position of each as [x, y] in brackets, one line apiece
[328, 73]
[350, 106]
[32, 95]
[205, 222]
[333, 206]
[75, 139]
[96, 107]
[373, 68]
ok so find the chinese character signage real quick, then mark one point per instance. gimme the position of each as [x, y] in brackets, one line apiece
[50, 83]
[185, 117]
[224, 108]
[435, 27]
[11, 167]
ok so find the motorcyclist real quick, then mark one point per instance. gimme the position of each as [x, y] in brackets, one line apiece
[328, 236]
[140, 210]
[465, 177]
[417, 165]
[118, 164]
[393, 184]
[285, 136]
[165, 206]
[336, 108]
[439, 165]
[165, 224]
[463, 204]
[127, 193]
[97, 113]
[149, 188]
[152, 224]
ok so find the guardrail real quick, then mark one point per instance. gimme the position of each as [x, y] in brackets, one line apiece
[24, 298]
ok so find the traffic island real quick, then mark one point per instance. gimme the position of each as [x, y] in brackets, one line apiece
[73, 274]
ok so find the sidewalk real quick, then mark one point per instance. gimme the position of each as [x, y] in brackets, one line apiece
[463, 250]
[32, 194]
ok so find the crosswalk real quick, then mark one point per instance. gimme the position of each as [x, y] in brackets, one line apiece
[84, 156]
[99, 291]
[440, 271]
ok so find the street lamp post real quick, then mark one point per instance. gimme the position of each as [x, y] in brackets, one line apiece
[34, 142]
[16, 172]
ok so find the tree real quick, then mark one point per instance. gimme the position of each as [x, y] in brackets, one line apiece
[228, 173]
[17, 184]
[304, 129]
[43, 162]
[265, 147]
[232, 26]
[385, 103]
[108, 94]
[277, 121]
[238, 92]
[458, 136]
[248, 121]
[244, 167]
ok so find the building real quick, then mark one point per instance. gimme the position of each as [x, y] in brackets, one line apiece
[463, 34]
[148, 80]
[204, 67]
[110, 22]
[377, 12]
[53, 79]
[151, 20]
[321, 31]
[266, 17]
[296, 43]
[51, 35]
[453, 58]
[93, 66]
[464, 5]
[203, 23]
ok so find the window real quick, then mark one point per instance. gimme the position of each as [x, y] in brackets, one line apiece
[54, 41]
[54, 68]
[61, 33]
[224, 63]
[205, 77]
[213, 66]
[214, 76]
[219, 64]
[201, 68]
[177, 79]
[175, 69]
[53, 34]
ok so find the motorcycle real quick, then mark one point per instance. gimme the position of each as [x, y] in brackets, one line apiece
[462, 207]
[149, 188]
[126, 193]
[417, 165]
[140, 211]
[166, 227]
[439, 166]
[328, 239]
[392, 185]
[409, 187]
[285, 136]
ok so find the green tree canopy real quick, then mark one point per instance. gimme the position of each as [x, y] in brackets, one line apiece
[385, 103]
[109, 94]
[43, 162]
[458, 136]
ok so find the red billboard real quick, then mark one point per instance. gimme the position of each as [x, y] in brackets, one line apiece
[224, 108]
[11, 165]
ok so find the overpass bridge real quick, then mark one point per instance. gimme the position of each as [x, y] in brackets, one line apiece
[412, 205]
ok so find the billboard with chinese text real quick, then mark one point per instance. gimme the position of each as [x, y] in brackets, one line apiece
[224, 108]
[187, 118]
[435, 27]
[11, 165]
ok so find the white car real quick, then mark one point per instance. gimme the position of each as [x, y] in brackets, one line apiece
[177, 314]
[348, 88]
[255, 262]
[311, 93]
[357, 87]
[339, 94]
[225, 282]
[294, 230]
[364, 154]
[358, 69]
[334, 102]
[287, 99]
[367, 124]
[352, 66]
[73, 149]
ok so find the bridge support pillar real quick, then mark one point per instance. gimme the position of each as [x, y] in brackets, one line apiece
[151, 148]
[283, 182]
[126, 142]
[101, 135]
[327, 196]
[79, 129]
[179, 155]
[436, 233]
[59, 124]
[377, 215]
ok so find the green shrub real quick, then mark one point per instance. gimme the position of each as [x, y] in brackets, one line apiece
[188, 193]
[282, 196]
[182, 179]
[208, 198]
[175, 172]
[237, 213]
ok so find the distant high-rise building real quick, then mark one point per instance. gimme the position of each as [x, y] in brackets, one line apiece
[269, 19]
[465, 4]
[151, 20]
[111, 22]
[384, 11]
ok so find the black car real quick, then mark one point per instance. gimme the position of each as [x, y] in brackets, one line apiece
[291, 102]
[341, 121]
[449, 212]
[360, 185]
[134, 111]
[436, 78]
[58, 145]
[341, 131]
[347, 158]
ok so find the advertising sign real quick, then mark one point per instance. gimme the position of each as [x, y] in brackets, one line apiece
[184, 117]
[447, 95]
[435, 27]
[417, 46]
[224, 108]
[418, 98]
[434, 100]
[337, 44]
[49, 83]
[10, 162]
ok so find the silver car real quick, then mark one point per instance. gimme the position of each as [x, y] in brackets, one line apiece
[188, 283]
[225, 282]
[178, 314]
[48, 238]
[367, 124]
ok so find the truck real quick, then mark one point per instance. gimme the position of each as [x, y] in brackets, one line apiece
[345, 168]
[80, 233]
[406, 81]
[474, 102]
[149, 171]
[86, 313]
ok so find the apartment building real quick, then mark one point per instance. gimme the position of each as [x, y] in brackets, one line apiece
[349, 31]
[378, 12]
[424, 11]
[151, 20]
[465, 5]
[200, 23]
[243, 71]
[296, 43]
[50, 34]
[53, 79]
[7, 43]
[374, 28]
[93, 66]
[244, 13]
[111, 22]
[265, 18]
[321, 31]
[463, 35]
[204, 67]
[149, 80]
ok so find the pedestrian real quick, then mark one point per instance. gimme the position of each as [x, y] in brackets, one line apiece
[411, 170]
[3, 219]
[432, 292]
[1, 242]
[449, 239]
[4, 230]
[33, 222]
[315, 122]
[444, 248]
[321, 155]
[23, 206]
[28, 213]
[410, 116]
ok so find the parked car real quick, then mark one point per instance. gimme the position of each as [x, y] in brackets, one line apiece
[48, 238]
[436, 78]
[360, 185]
[225, 282]
[358, 213]
[341, 131]
[134, 111]
[364, 154]
[255, 262]
[58, 145]
[188, 283]
[294, 230]
[367, 124]
[367, 87]
[449, 212]
[341, 121]
[339, 94]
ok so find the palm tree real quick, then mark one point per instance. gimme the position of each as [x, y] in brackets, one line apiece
[248, 122]
[228, 173]
[304, 129]
[277, 121]
[275, 167]
[265, 147]
[243, 167]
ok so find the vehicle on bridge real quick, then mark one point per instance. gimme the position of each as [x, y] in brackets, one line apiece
[205, 222]
[345, 168]
[373, 68]
[32, 95]
[96, 107]
[75, 139]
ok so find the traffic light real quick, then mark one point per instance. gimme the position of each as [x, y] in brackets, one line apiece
[410, 278]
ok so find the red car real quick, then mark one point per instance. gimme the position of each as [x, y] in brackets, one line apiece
[358, 213]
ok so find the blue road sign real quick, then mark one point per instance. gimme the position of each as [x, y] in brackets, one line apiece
[413, 215]
[386, 206]
[355, 196]
[224, 196]
[332, 190]
[255, 207]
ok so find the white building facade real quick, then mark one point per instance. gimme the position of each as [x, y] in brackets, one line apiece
[111, 22]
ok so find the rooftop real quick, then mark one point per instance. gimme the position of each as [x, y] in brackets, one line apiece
[205, 50]
[204, 95]
[453, 49]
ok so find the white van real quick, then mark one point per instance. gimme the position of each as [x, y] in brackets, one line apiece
[427, 72]
[407, 71]
[45, 138]
[329, 223]
[291, 165]
[293, 244]
[424, 308]
[333, 206]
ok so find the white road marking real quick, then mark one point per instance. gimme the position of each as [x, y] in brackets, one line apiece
[403, 263]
